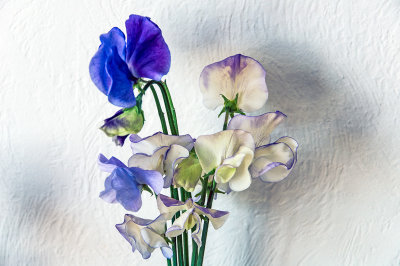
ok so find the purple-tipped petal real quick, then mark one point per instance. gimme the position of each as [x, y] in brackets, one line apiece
[260, 127]
[237, 74]
[217, 218]
[148, 177]
[108, 165]
[147, 53]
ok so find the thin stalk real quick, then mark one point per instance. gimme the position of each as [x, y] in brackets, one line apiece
[226, 121]
[159, 110]
[205, 226]
[185, 235]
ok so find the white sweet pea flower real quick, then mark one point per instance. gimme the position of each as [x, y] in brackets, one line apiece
[145, 235]
[230, 153]
[236, 75]
[160, 152]
[168, 207]
[272, 161]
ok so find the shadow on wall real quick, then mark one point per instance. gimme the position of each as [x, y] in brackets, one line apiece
[327, 115]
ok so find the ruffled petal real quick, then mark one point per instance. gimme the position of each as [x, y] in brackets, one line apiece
[147, 54]
[260, 127]
[230, 152]
[174, 155]
[217, 218]
[196, 234]
[274, 162]
[149, 162]
[97, 67]
[150, 144]
[148, 177]
[169, 206]
[155, 240]
[108, 165]
[237, 74]
[120, 92]
[180, 224]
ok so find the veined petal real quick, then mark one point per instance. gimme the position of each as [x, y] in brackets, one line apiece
[148, 177]
[236, 74]
[147, 53]
[150, 144]
[97, 67]
[274, 162]
[260, 127]
[120, 91]
[108, 165]
[217, 218]
[169, 206]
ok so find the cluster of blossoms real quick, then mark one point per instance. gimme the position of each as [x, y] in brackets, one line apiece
[199, 168]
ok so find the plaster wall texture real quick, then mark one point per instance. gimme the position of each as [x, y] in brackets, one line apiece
[332, 67]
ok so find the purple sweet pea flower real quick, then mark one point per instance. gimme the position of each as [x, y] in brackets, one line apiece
[145, 235]
[124, 185]
[117, 64]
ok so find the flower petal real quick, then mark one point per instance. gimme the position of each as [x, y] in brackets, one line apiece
[236, 74]
[147, 53]
[155, 240]
[148, 177]
[97, 67]
[238, 146]
[120, 92]
[169, 206]
[152, 143]
[274, 162]
[149, 162]
[196, 234]
[217, 218]
[108, 165]
[260, 127]
[179, 226]
[175, 154]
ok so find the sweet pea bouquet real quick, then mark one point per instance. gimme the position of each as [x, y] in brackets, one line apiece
[194, 170]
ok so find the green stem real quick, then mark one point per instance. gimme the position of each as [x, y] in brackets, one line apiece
[185, 235]
[205, 226]
[226, 120]
[194, 251]
[159, 110]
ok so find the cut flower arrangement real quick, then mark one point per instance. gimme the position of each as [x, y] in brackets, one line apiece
[125, 69]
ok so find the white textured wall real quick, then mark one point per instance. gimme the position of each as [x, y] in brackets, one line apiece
[333, 68]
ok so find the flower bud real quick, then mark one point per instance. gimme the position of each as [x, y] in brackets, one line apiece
[124, 122]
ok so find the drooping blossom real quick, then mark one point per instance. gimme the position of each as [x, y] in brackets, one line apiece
[145, 235]
[230, 154]
[272, 161]
[117, 65]
[190, 218]
[124, 185]
[237, 75]
[160, 152]
[124, 122]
